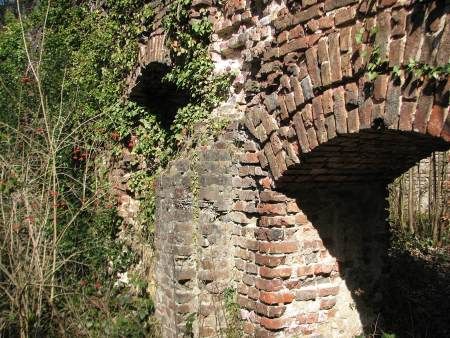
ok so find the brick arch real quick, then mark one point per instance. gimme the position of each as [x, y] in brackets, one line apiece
[295, 255]
[331, 140]
[316, 87]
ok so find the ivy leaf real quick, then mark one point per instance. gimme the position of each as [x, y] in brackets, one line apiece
[359, 36]
[372, 75]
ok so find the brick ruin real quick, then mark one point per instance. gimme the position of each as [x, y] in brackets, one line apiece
[288, 205]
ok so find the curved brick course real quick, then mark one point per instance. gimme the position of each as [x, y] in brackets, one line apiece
[291, 200]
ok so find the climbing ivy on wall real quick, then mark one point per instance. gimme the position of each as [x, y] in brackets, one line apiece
[193, 69]
[377, 65]
[83, 53]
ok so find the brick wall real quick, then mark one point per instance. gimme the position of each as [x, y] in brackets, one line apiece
[288, 206]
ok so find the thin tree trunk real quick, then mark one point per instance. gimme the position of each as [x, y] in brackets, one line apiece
[411, 222]
[400, 203]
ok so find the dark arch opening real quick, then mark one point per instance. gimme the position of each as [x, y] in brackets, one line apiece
[158, 96]
[341, 186]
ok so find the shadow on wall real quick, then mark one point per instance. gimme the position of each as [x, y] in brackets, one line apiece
[351, 220]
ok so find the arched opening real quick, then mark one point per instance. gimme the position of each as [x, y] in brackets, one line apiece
[156, 95]
[341, 187]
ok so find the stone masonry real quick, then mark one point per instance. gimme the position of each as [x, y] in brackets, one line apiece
[288, 206]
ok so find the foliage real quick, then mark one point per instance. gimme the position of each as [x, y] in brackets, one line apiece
[418, 208]
[232, 313]
[65, 91]
[62, 68]
[194, 70]
[376, 64]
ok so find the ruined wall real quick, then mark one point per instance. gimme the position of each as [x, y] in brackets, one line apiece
[194, 245]
[290, 202]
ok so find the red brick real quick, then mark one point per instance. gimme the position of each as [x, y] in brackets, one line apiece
[346, 64]
[301, 133]
[292, 207]
[272, 234]
[406, 115]
[284, 112]
[396, 53]
[326, 304]
[413, 39]
[323, 269]
[278, 221]
[351, 95]
[365, 112]
[293, 283]
[345, 39]
[301, 219]
[306, 294]
[328, 291]
[380, 87]
[313, 25]
[326, 22]
[249, 158]
[313, 68]
[444, 45]
[308, 318]
[383, 34]
[270, 311]
[345, 16]
[335, 56]
[296, 32]
[307, 14]
[246, 303]
[266, 182]
[298, 92]
[282, 37]
[327, 102]
[272, 209]
[436, 122]
[399, 23]
[271, 261]
[445, 134]
[312, 138]
[278, 247]
[340, 112]
[261, 332]
[299, 44]
[280, 297]
[307, 270]
[332, 4]
[269, 284]
[423, 110]
[386, 3]
[275, 323]
[277, 272]
[274, 168]
[253, 293]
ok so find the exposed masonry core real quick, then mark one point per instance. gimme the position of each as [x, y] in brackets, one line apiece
[288, 206]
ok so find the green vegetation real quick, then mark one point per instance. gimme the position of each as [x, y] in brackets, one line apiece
[232, 313]
[376, 64]
[63, 119]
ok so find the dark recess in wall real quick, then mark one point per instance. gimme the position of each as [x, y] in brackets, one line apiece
[158, 96]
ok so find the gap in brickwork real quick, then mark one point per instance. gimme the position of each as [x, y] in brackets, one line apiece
[158, 96]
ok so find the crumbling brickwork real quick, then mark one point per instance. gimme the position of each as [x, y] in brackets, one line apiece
[288, 207]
